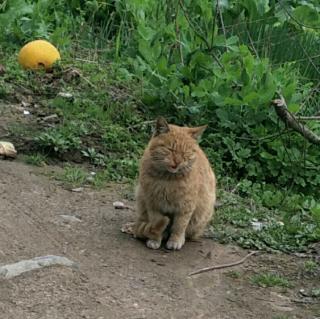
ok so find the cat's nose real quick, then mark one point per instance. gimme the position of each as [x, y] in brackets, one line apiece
[174, 165]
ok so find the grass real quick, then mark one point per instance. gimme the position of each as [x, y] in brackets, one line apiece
[234, 274]
[77, 176]
[315, 293]
[35, 159]
[270, 280]
[310, 266]
[73, 176]
[286, 227]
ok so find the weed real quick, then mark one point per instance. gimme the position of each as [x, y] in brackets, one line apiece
[21, 130]
[233, 222]
[315, 293]
[57, 142]
[95, 158]
[270, 280]
[72, 176]
[35, 159]
[233, 274]
[99, 180]
[120, 169]
[310, 266]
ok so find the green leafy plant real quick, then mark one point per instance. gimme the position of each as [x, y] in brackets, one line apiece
[270, 280]
[57, 141]
[310, 266]
[95, 157]
[287, 225]
[72, 176]
[35, 159]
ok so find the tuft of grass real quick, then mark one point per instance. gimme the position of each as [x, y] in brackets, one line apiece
[72, 176]
[233, 274]
[35, 159]
[310, 266]
[270, 280]
[315, 293]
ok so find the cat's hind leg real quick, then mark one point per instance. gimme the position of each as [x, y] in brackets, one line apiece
[198, 222]
[142, 221]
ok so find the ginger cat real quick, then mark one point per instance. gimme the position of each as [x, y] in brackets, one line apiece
[176, 188]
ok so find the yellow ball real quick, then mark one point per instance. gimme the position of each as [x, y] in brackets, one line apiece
[38, 54]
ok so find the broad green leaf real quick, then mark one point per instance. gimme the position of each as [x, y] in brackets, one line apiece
[163, 66]
[293, 107]
[233, 101]
[146, 32]
[252, 99]
[232, 40]
[198, 91]
[256, 8]
[17, 8]
[219, 41]
[307, 15]
[289, 90]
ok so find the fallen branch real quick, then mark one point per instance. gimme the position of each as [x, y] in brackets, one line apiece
[223, 266]
[309, 118]
[291, 121]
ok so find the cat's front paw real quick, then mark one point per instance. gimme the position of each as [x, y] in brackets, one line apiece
[153, 244]
[175, 244]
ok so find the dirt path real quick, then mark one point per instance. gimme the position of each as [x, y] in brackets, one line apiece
[118, 276]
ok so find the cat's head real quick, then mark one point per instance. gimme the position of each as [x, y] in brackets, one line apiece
[173, 149]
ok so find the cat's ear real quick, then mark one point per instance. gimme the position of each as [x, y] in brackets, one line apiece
[161, 126]
[196, 132]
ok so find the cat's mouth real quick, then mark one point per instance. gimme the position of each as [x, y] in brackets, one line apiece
[179, 169]
[173, 170]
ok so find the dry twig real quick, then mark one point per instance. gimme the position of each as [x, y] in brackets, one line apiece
[309, 118]
[291, 121]
[223, 265]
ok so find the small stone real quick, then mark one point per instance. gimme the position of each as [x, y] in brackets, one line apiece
[257, 226]
[90, 178]
[71, 218]
[77, 190]
[119, 205]
[25, 104]
[65, 95]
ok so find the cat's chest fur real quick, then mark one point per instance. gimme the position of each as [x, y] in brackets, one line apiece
[169, 196]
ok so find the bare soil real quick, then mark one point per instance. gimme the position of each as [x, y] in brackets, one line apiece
[118, 277]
